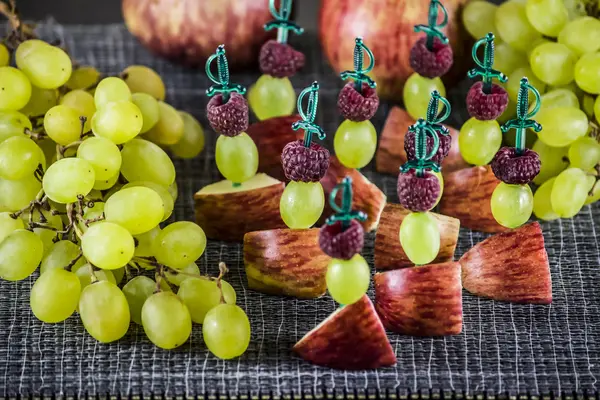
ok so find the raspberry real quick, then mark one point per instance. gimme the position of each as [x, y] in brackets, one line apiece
[231, 118]
[431, 64]
[443, 150]
[356, 106]
[280, 59]
[418, 193]
[513, 168]
[304, 164]
[342, 244]
[484, 106]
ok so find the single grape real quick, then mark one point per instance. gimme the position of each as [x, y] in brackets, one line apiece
[119, 274]
[569, 193]
[40, 102]
[179, 244]
[553, 161]
[166, 320]
[272, 97]
[587, 72]
[420, 237]
[542, 204]
[60, 255]
[176, 278]
[302, 204]
[355, 143]
[479, 141]
[417, 93]
[236, 157]
[201, 295]
[118, 121]
[558, 98]
[137, 291]
[46, 235]
[12, 123]
[103, 154]
[587, 105]
[561, 125]
[169, 128]
[107, 183]
[107, 245]
[348, 280]
[84, 274]
[582, 35]
[55, 295]
[145, 161]
[46, 66]
[512, 205]
[4, 56]
[15, 89]
[145, 243]
[547, 16]
[137, 209]
[508, 59]
[83, 77]
[514, 27]
[104, 311]
[479, 18]
[513, 85]
[174, 191]
[63, 125]
[82, 102]
[584, 153]
[553, 63]
[226, 331]
[109, 90]
[149, 108]
[16, 195]
[8, 225]
[192, 141]
[162, 191]
[19, 157]
[20, 254]
[68, 178]
[142, 79]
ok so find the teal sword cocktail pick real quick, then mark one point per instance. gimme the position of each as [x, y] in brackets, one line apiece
[222, 84]
[308, 118]
[344, 212]
[432, 29]
[523, 120]
[485, 68]
[359, 74]
[282, 22]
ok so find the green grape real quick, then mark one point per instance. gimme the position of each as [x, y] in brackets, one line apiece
[581, 35]
[15, 89]
[561, 125]
[8, 225]
[46, 235]
[63, 125]
[302, 204]
[513, 85]
[587, 105]
[112, 191]
[110, 90]
[176, 278]
[142, 79]
[90, 213]
[553, 161]
[55, 295]
[479, 141]
[60, 255]
[19, 157]
[46, 66]
[118, 121]
[420, 237]
[584, 153]
[479, 18]
[146, 243]
[137, 209]
[40, 102]
[355, 143]
[553, 63]
[512, 205]
[226, 331]
[534, 45]
[145, 161]
[12, 123]
[119, 274]
[547, 16]
[236, 157]
[513, 26]
[20, 254]
[587, 72]
[558, 98]
[594, 190]
[4, 56]
[103, 154]
[417, 92]
[192, 141]
[149, 108]
[84, 274]
[83, 78]
[68, 178]
[169, 128]
[348, 280]
[107, 245]
[179, 244]
[174, 190]
[597, 109]
[508, 59]
[82, 102]
[107, 183]
[162, 191]
[137, 291]
[272, 97]
[166, 320]
[16, 195]
[542, 204]
[201, 295]
[569, 193]
[104, 311]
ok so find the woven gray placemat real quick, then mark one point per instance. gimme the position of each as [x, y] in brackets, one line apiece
[504, 349]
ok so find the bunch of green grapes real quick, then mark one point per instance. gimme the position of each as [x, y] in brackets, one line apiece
[556, 44]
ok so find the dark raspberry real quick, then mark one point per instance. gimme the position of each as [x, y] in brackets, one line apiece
[356, 106]
[280, 59]
[443, 149]
[513, 168]
[304, 164]
[484, 106]
[418, 193]
[431, 64]
[231, 118]
[339, 243]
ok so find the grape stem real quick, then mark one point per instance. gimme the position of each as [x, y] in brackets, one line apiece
[73, 262]
[35, 135]
[93, 277]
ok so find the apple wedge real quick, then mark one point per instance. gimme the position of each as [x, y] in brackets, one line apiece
[510, 266]
[421, 301]
[227, 212]
[388, 251]
[352, 338]
[391, 155]
[286, 262]
[467, 195]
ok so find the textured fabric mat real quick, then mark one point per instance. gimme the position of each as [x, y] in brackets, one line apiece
[504, 349]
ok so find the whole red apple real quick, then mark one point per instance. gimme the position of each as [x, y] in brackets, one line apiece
[387, 29]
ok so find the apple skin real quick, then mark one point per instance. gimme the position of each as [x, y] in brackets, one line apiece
[352, 338]
[510, 266]
[421, 301]
[388, 250]
[387, 28]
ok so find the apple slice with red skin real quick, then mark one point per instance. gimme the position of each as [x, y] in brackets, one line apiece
[352, 338]
[388, 250]
[424, 300]
[510, 266]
